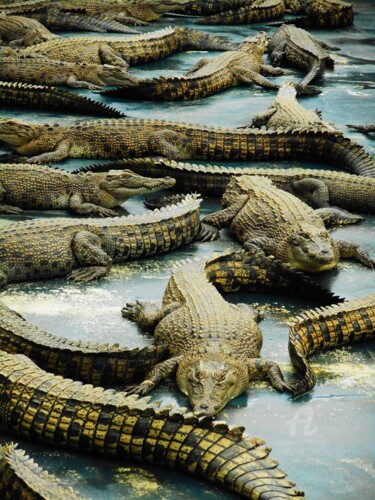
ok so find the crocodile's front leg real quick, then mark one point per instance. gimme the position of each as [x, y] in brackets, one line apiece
[333, 216]
[349, 250]
[258, 368]
[147, 315]
[94, 262]
[262, 118]
[7, 209]
[78, 206]
[313, 191]
[125, 19]
[267, 245]
[73, 82]
[199, 65]
[109, 56]
[224, 217]
[168, 143]
[274, 71]
[245, 75]
[155, 376]
[60, 153]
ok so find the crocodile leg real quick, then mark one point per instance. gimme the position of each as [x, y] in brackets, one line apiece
[109, 56]
[277, 55]
[146, 314]
[262, 118]
[164, 143]
[78, 206]
[265, 244]
[61, 152]
[3, 279]
[73, 82]
[333, 216]
[272, 71]
[224, 217]
[199, 65]
[313, 191]
[353, 251]
[7, 209]
[94, 262]
[258, 368]
[245, 75]
[155, 376]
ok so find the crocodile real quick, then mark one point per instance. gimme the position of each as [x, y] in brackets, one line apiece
[326, 328]
[38, 187]
[209, 76]
[49, 409]
[207, 7]
[301, 50]
[43, 70]
[111, 365]
[58, 19]
[365, 129]
[255, 11]
[50, 99]
[85, 249]
[213, 346]
[129, 51]
[20, 31]
[326, 14]
[119, 138]
[21, 477]
[286, 112]
[317, 188]
[262, 216]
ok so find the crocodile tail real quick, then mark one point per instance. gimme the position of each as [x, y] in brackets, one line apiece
[199, 40]
[253, 271]
[327, 328]
[266, 10]
[316, 70]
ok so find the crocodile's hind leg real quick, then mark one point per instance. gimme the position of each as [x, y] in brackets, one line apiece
[333, 216]
[199, 65]
[147, 315]
[260, 369]
[169, 144]
[109, 56]
[7, 209]
[245, 75]
[262, 118]
[272, 71]
[61, 152]
[349, 250]
[94, 262]
[314, 191]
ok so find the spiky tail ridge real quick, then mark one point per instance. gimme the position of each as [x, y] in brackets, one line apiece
[265, 11]
[328, 328]
[48, 409]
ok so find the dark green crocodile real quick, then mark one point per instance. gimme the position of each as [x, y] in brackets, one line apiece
[38, 187]
[19, 31]
[21, 477]
[327, 328]
[110, 365]
[132, 50]
[52, 410]
[26, 95]
[263, 216]
[213, 346]
[318, 188]
[208, 76]
[254, 11]
[301, 50]
[85, 249]
[116, 139]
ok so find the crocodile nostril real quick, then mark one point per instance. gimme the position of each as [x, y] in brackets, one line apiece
[203, 406]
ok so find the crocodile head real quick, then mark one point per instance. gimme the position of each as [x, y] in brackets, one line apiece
[16, 133]
[123, 184]
[211, 383]
[310, 248]
[115, 75]
[255, 44]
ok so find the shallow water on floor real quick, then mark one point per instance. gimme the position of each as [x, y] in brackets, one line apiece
[324, 440]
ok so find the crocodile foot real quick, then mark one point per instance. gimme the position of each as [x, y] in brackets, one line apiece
[86, 274]
[105, 212]
[132, 311]
[9, 209]
[141, 389]
[207, 233]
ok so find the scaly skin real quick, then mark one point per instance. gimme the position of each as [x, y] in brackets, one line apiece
[325, 14]
[132, 50]
[327, 328]
[255, 12]
[317, 188]
[21, 477]
[42, 70]
[110, 365]
[263, 216]
[114, 139]
[25, 95]
[208, 76]
[21, 31]
[49, 409]
[286, 112]
[84, 249]
[44, 188]
[301, 50]
[213, 346]
[91, 363]
[207, 7]
[365, 129]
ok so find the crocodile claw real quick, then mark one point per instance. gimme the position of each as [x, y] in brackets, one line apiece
[131, 310]
[207, 233]
[9, 209]
[86, 274]
[105, 212]
[140, 389]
